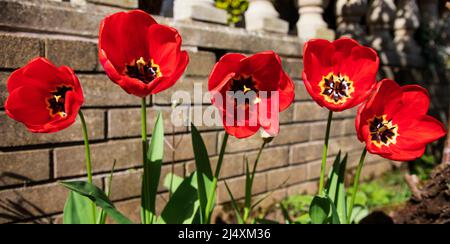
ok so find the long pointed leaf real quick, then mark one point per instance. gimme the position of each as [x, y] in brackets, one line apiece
[340, 200]
[204, 172]
[152, 169]
[172, 182]
[234, 205]
[336, 186]
[248, 184]
[102, 216]
[183, 206]
[77, 209]
[99, 197]
[320, 210]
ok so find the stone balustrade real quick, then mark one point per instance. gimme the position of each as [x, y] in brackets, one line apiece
[388, 26]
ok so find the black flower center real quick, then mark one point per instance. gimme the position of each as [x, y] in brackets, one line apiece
[56, 103]
[143, 70]
[382, 131]
[245, 85]
[336, 89]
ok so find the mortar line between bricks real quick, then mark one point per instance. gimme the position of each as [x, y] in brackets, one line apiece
[24, 30]
[102, 141]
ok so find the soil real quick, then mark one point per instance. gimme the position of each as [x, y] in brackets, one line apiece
[432, 203]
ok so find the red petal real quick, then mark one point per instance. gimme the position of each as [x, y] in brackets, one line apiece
[386, 100]
[123, 37]
[415, 102]
[317, 63]
[38, 73]
[424, 130]
[135, 86]
[165, 44]
[170, 81]
[286, 92]
[229, 63]
[28, 105]
[265, 68]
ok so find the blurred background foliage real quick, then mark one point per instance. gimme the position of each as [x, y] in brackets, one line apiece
[235, 9]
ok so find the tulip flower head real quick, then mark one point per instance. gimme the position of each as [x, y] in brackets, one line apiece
[43, 97]
[140, 55]
[394, 122]
[339, 75]
[255, 86]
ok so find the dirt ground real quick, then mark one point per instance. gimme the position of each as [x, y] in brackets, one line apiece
[431, 204]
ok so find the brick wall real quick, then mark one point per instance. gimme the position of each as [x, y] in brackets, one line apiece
[32, 164]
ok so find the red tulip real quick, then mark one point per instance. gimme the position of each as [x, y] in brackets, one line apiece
[43, 97]
[140, 55]
[261, 76]
[339, 75]
[394, 122]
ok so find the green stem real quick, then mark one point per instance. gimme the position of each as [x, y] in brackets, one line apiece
[325, 152]
[88, 157]
[356, 184]
[144, 215]
[216, 178]
[248, 203]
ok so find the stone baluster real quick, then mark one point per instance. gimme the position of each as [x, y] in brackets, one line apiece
[348, 17]
[261, 15]
[78, 2]
[406, 24]
[203, 10]
[311, 23]
[380, 19]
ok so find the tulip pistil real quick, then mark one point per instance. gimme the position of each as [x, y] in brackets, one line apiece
[56, 103]
[382, 131]
[336, 89]
[143, 70]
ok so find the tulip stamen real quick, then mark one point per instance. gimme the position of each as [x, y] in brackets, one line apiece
[336, 89]
[143, 70]
[56, 104]
[382, 131]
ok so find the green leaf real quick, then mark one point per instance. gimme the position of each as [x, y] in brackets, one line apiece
[336, 186]
[320, 209]
[333, 175]
[234, 205]
[183, 206]
[285, 213]
[96, 195]
[204, 172]
[152, 169]
[358, 214]
[77, 209]
[102, 216]
[172, 182]
[248, 184]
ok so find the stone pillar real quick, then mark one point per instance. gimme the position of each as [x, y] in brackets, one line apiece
[261, 15]
[380, 19]
[406, 24]
[203, 10]
[311, 23]
[78, 2]
[348, 17]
